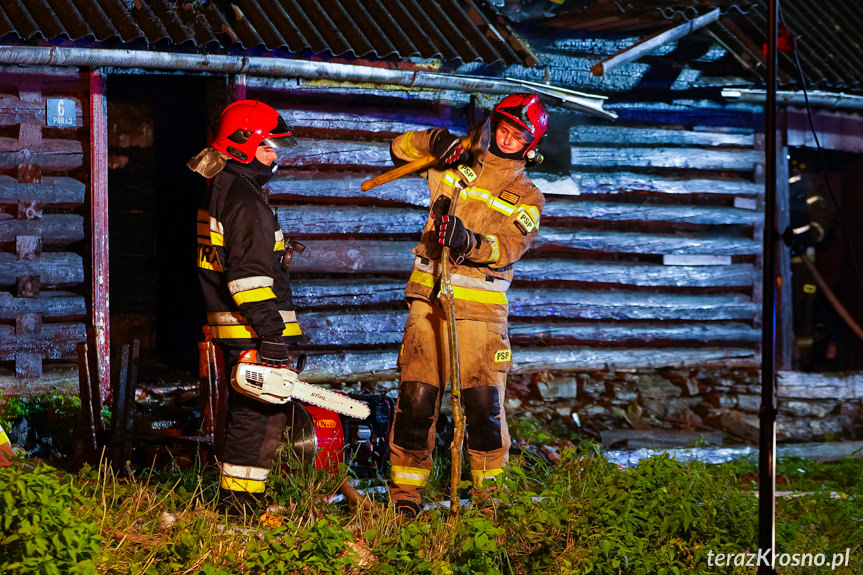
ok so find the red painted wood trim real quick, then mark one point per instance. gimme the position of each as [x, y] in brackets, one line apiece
[100, 318]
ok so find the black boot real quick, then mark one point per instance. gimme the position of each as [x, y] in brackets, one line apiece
[238, 503]
[407, 510]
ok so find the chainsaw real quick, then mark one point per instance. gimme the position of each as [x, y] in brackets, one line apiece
[277, 385]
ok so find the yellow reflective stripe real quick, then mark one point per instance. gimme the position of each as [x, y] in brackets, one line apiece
[247, 485]
[3, 437]
[253, 295]
[280, 247]
[205, 265]
[479, 476]
[495, 248]
[409, 475]
[246, 331]
[217, 239]
[492, 202]
[462, 293]
[292, 329]
[410, 151]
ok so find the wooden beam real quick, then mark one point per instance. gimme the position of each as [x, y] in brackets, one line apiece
[100, 316]
[339, 153]
[558, 209]
[629, 136]
[49, 154]
[58, 192]
[54, 229]
[629, 182]
[54, 341]
[51, 304]
[741, 160]
[54, 268]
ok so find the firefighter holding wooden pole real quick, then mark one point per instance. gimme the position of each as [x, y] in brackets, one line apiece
[484, 215]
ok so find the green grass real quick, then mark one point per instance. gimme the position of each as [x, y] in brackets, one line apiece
[583, 515]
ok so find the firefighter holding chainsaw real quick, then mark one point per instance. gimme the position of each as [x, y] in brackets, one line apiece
[243, 269]
[496, 219]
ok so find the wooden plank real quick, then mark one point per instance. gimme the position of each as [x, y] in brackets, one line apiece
[799, 385]
[698, 334]
[608, 241]
[54, 229]
[351, 366]
[51, 154]
[53, 268]
[625, 305]
[342, 187]
[631, 135]
[384, 327]
[334, 153]
[387, 257]
[379, 122]
[628, 182]
[52, 191]
[100, 320]
[665, 157]
[51, 304]
[337, 220]
[528, 303]
[637, 438]
[55, 341]
[557, 209]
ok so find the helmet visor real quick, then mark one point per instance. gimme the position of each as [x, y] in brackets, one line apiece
[515, 128]
[280, 136]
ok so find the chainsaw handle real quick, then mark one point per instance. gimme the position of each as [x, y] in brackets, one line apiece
[409, 168]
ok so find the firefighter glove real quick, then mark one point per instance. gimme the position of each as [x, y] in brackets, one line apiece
[445, 146]
[450, 232]
[274, 352]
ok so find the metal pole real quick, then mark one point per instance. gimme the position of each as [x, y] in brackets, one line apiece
[767, 412]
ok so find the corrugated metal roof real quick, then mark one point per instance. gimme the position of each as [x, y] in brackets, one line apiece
[450, 30]
[829, 34]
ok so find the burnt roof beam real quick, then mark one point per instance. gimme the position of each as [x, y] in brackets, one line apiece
[653, 42]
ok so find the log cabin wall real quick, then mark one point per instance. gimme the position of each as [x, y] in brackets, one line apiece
[43, 183]
[647, 254]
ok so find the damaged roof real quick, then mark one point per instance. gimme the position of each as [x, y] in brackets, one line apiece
[459, 31]
[828, 35]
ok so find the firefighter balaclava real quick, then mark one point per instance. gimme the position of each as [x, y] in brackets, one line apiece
[525, 113]
[244, 125]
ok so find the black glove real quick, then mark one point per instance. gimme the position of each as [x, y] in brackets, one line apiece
[445, 147]
[274, 352]
[450, 232]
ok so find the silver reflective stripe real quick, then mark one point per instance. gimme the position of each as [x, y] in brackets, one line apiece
[216, 226]
[253, 282]
[457, 279]
[280, 237]
[245, 472]
[236, 318]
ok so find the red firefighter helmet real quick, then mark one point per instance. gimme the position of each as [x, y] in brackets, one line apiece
[526, 112]
[245, 125]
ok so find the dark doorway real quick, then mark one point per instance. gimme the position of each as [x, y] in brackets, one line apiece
[826, 204]
[156, 123]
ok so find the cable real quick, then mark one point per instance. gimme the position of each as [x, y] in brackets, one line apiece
[821, 158]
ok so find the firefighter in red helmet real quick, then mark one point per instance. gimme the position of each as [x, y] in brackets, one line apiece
[244, 278]
[496, 220]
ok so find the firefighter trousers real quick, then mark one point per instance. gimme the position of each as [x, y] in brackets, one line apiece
[484, 359]
[253, 435]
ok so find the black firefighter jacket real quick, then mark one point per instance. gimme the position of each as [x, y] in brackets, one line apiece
[240, 249]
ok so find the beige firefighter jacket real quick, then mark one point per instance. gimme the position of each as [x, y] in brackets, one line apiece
[502, 205]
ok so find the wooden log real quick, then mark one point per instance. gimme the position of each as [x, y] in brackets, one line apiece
[378, 122]
[628, 182]
[386, 257]
[51, 304]
[630, 135]
[55, 341]
[841, 386]
[539, 302]
[384, 327]
[333, 220]
[607, 241]
[54, 229]
[27, 248]
[556, 210]
[664, 157]
[700, 334]
[351, 366]
[51, 154]
[53, 269]
[52, 191]
[342, 188]
[333, 153]
[27, 286]
[14, 110]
